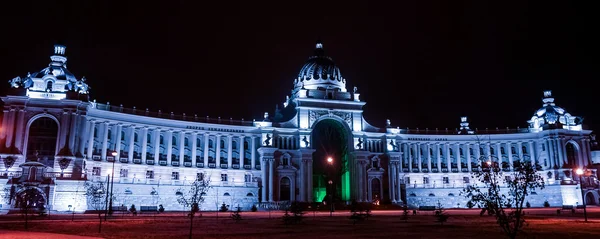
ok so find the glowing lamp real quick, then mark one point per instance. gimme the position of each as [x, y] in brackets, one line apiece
[489, 163]
[114, 153]
[579, 171]
[329, 160]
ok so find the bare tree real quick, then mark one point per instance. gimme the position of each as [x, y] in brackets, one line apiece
[26, 198]
[96, 193]
[503, 194]
[194, 197]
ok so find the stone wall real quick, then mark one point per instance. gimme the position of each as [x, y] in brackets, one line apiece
[556, 195]
[69, 193]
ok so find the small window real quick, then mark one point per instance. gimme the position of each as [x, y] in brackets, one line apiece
[492, 151]
[149, 174]
[524, 149]
[502, 150]
[446, 180]
[211, 144]
[124, 172]
[450, 194]
[466, 180]
[175, 176]
[226, 194]
[249, 195]
[174, 141]
[96, 171]
[460, 151]
[425, 180]
[513, 150]
[109, 134]
[543, 147]
[186, 142]
[481, 151]
[285, 161]
[412, 195]
[247, 178]
[49, 86]
[432, 195]
[198, 143]
[199, 176]
[246, 145]
[162, 140]
[407, 180]
[122, 135]
[451, 151]
[128, 191]
[223, 177]
[234, 146]
[148, 137]
[95, 132]
[222, 144]
[471, 151]
[135, 137]
[178, 193]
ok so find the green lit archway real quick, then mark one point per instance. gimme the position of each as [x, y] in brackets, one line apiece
[330, 138]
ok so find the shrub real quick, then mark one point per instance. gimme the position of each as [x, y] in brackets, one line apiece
[223, 208]
[527, 205]
[404, 216]
[161, 208]
[546, 203]
[360, 211]
[253, 209]
[297, 210]
[133, 210]
[440, 214]
[470, 204]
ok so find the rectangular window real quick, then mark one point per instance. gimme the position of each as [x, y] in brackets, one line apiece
[223, 177]
[407, 180]
[543, 147]
[199, 176]
[175, 176]
[124, 172]
[248, 178]
[466, 180]
[149, 174]
[446, 180]
[426, 180]
[96, 171]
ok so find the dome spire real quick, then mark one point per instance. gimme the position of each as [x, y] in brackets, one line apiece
[319, 48]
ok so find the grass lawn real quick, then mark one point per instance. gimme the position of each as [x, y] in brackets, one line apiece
[258, 225]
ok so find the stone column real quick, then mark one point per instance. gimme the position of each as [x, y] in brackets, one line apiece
[499, 155]
[302, 181]
[104, 140]
[448, 158]
[84, 135]
[550, 154]
[309, 163]
[229, 151]
[5, 125]
[92, 129]
[253, 153]
[169, 136]
[131, 142]
[509, 154]
[419, 156]
[398, 186]
[241, 151]
[206, 149]
[64, 123]
[457, 155]
[563, 151]
[218, 151]
[428, 149]
[531, 153]
[118, 141]
[271, 176]
[467, 148]
[392, 176]
[410, 157]
[194, 147]
[181, 146]
[72, 130]
[144, 143]
[156, 145]
[439, 158]
[20, 132]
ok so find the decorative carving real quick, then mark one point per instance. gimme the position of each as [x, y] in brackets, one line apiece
[267, 141]
[314, 115]
[360, 144]
[394, 145]
[305, 141]
[64, 163]
[9, 162]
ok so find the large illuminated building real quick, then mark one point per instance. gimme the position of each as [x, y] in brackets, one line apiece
[54, 138]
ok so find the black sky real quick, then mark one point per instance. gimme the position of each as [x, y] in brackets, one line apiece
[422, 65]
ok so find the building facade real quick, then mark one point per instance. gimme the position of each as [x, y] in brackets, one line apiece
[54, 138]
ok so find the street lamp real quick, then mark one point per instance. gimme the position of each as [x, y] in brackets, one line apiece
[330, 162]
[580, 173]
[112, 182]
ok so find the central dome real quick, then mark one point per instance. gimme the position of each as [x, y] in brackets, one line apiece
[320, 72]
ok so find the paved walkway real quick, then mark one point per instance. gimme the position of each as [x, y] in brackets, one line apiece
[38, 235]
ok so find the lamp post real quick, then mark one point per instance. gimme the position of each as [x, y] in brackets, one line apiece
[580, 173]
[112, 182]
[330, 162]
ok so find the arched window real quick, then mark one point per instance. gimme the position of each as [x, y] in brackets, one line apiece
[198, 143]
[135, 137]
[460, 151]
[502, 150]
[41, 143]
[249, 195]
[431, 152]
[109, 134]
[162, 139]
[148, 137]
[450, 194]
[451, 151]
[571, 155]
[222, 144]
[226, 194]
[246, 145]
[524, 150]
[49, 86]
[492, 151]
[513, 150]
[95, 132]
[481, 151]
[211, 144]
[284, 189]
[123, 136]
[174, 141]
[234, 145]
[186, 142]
[432, 195]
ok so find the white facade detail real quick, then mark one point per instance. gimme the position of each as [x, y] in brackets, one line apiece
[49, 123]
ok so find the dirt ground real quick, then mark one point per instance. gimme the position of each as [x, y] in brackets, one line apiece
[383, 224]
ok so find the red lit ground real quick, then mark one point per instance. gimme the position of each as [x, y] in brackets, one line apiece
[543, 223]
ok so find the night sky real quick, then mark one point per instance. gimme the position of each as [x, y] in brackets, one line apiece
[422, 65]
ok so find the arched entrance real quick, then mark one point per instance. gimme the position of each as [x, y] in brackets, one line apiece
[375, 190]
[30, 198]
[284, 189]
[41, 141]
[330, 140]
[590, 199]
[572, 155]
